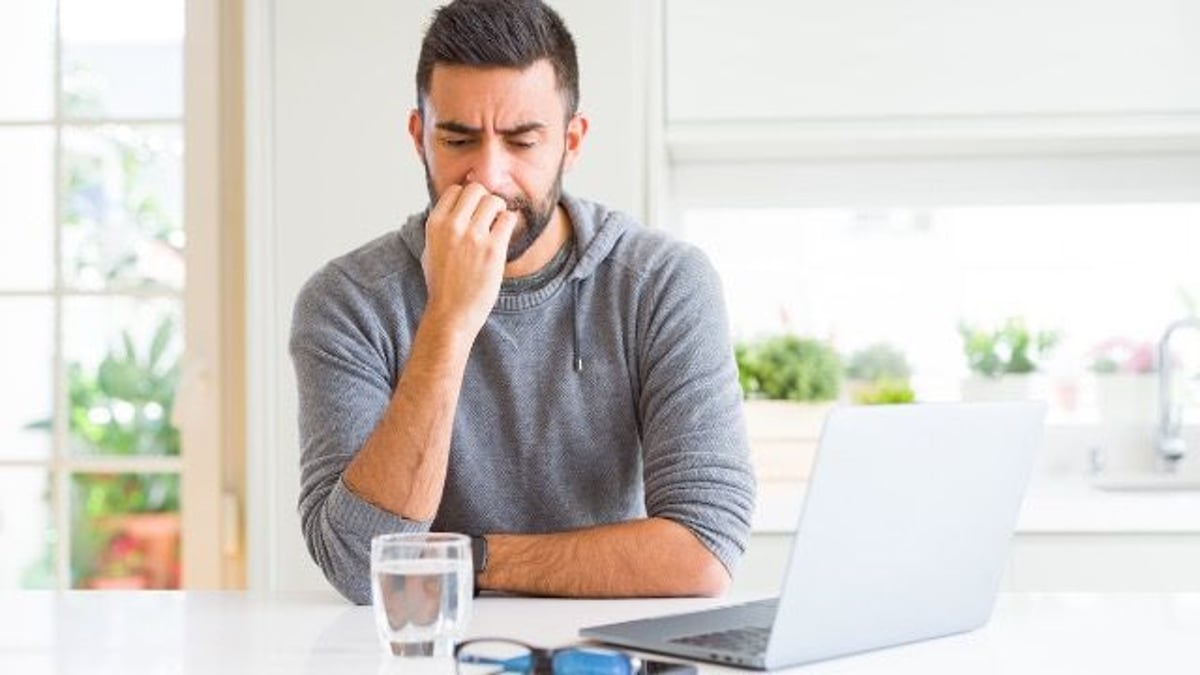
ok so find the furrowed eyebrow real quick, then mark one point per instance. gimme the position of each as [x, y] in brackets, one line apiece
[460, 128]
[522, 129]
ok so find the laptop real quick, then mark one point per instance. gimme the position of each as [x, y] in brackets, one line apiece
[904, 536]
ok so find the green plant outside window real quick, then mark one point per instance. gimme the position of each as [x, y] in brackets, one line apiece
[122, 408]
[1011, 349]
[789, 368]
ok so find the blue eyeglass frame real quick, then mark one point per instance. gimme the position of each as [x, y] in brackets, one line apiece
[577, 660]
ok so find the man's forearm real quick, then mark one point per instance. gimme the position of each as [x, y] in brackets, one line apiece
[402, 466]
[649, 557]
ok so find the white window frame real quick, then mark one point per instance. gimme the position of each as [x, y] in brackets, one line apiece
[212, 428]
[210, 550]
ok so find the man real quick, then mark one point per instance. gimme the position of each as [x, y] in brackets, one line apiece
[532, 369]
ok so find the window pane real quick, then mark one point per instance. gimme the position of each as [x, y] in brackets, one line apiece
[27, 391]
[122, 208]
[26, 529]
[26, 208]
[122, 364]
[908, 277]
[26, 59]
[124, 531]
[122, 58]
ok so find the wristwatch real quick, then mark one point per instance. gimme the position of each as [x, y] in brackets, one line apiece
[479, 557]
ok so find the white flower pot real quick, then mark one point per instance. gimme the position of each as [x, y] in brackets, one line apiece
[1127, 398]
[1127, 405]
[1003, 388]
[784, 436]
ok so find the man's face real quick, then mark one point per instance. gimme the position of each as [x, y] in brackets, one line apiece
[504, 129]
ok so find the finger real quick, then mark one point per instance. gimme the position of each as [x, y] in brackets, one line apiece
[502, 229]
[445, 203]
[468, 201]
[486, 212]
[453, 211]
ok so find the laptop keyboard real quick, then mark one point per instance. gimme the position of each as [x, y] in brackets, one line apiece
[748, 639]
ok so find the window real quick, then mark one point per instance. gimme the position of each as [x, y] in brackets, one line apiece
[94, 277]
[1091, 274]
[1096, 251]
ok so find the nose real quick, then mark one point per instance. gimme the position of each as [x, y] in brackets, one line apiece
[490, 168]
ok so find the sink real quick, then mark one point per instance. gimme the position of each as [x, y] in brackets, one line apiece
[1146, 482]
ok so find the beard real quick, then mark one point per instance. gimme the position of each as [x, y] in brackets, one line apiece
[534, 215]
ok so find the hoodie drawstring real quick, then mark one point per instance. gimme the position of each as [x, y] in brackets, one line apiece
[575, 325]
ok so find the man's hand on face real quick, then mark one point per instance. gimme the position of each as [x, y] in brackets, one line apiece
[466, 246]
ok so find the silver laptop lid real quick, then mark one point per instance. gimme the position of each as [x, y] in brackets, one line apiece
[906, 525]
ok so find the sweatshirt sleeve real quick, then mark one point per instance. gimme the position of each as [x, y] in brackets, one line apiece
[696, 468]
[345, 382]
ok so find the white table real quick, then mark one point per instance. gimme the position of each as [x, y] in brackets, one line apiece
[199, 632]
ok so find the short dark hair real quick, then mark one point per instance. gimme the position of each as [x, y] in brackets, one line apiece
[499, 33]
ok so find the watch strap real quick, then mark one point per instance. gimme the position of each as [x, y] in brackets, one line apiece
[479, 558]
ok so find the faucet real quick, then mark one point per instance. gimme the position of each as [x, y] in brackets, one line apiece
[1170, 444]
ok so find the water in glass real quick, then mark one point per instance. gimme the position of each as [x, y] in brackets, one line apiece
[421, 591]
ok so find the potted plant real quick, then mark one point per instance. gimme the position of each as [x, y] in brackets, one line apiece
[886, 392]
[125, 527]
[126, 531]
[140, 510]
[119, 566]
[1126, 387]
[878, 374]
[790, 384]
[1002, 360]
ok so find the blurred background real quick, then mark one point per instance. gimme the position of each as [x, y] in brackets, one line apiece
[920, 201]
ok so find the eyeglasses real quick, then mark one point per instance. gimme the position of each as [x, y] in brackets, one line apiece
[486, 656]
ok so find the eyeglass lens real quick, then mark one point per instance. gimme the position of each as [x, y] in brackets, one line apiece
[498, 656]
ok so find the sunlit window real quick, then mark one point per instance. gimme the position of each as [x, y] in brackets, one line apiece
[92, 271]
[1103, 279]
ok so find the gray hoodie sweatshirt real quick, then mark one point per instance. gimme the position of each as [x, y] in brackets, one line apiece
[608, 395]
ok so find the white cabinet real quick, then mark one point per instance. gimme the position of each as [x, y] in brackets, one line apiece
[800, 79]
[1117, 562]
[1070, 537]
[827, 59]
[1051, 562]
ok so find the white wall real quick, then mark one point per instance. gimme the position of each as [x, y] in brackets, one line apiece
[331, 167]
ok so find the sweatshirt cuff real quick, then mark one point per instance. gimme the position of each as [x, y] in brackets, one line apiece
[355, 514]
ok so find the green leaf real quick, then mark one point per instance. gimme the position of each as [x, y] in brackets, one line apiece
[1006, 349]
[789, 368]
[162, 338]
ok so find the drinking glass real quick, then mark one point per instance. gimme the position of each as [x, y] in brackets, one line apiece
[421, 590]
